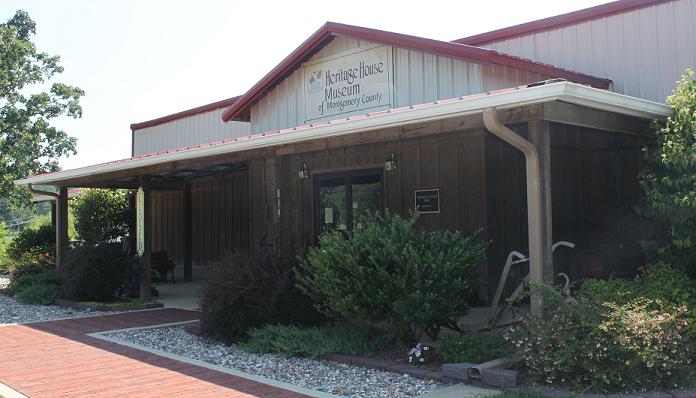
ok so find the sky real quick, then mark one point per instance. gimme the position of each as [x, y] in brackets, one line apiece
[139, 60]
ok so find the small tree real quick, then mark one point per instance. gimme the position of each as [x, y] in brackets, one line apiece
[670, 183]
[389, 271]
[101, 215]
[29, 144]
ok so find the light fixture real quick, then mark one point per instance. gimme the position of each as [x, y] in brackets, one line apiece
[303, 174]
[390, 164]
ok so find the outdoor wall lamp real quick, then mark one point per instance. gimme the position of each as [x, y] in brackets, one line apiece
[303, 174]
[390, 164]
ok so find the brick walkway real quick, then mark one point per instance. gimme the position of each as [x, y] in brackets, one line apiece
[58, 359]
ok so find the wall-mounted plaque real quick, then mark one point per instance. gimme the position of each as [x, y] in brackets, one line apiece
[428, 201]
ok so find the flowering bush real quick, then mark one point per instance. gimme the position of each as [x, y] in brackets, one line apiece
[605, 346]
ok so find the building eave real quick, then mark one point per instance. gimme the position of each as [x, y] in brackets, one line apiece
[462, 106]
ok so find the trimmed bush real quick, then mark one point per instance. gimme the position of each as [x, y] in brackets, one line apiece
[40, 241]
[101, 215]
[93, 272]
[249, 291]
[389, 271]
[473, 348]
[38, 294]
[607, 347]
[21, 282]
[316, 341]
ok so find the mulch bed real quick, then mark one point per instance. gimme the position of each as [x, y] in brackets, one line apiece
[125, 306]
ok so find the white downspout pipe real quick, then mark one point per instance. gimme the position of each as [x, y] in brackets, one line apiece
[534, 207]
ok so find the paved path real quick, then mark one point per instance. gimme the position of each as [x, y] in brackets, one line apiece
[59, 359]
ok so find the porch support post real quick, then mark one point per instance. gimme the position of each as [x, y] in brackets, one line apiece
[61, 225]
[53, 213]
[534, 203]
[145, 229]
[540, 135]
[187, 233]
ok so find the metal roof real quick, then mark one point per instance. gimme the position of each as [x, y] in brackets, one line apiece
[460, 106]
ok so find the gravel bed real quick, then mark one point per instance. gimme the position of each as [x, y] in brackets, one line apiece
[13, 312]
[334, 378]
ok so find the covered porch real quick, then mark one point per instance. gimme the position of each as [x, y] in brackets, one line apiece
[510, 162]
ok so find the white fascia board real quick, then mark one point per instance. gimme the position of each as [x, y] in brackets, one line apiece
[562, 91]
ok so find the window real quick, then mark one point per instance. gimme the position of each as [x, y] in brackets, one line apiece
[361, 189]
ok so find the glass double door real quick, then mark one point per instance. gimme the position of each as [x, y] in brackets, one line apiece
[346, 200]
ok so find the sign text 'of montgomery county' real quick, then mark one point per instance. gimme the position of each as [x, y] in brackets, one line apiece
[353, 82]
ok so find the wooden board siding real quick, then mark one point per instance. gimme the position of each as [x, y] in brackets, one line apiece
[422, 163]
[220, 219]
[594, 190]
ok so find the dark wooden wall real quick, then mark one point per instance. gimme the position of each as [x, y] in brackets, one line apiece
[220, 219]
[452, 162]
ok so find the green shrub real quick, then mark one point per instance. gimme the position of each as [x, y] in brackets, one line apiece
[316, 341]
[249, 291]
[101, 215]
[21, 282]
[670, 182]
[473, 348]
[606, 347]
[27, 270]
[390, 271]
[668, 284]
[93, 272]
[39, 241]
[38, 294]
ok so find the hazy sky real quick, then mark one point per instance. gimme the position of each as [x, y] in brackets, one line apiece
[138, 60]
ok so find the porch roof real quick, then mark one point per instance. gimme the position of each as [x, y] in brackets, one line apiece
[563, 91]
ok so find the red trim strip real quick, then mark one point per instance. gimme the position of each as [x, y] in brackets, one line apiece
[240, 110]
[189, 112]
[557, 21]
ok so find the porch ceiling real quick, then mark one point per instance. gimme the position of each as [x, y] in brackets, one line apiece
[559, 102]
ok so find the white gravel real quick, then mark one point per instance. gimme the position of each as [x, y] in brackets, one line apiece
[13, 312]
[334, 378]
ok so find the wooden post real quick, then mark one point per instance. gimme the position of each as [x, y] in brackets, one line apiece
[540, 136]
[145, 213]
[61, 225]
[53, 213]
[187, 233]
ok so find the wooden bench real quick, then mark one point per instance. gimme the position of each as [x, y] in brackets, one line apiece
[162, 266]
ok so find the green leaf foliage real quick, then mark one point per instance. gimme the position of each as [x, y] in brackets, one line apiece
[38, 294]
[473, 348]
[38, 241]
[314, 342]
[670, 183]
[29, 144]
[102, 215]
[389, 271]
[93, 272]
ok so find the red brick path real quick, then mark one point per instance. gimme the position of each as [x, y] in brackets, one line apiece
[58, 359]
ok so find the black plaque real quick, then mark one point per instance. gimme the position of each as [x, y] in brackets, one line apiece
[428, 201]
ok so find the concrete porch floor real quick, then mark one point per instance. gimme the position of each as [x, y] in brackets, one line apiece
[183, 294]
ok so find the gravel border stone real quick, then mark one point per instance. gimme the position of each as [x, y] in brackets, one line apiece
[12, 311]
[326, 376]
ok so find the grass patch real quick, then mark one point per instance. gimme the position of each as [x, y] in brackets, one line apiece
[316, 341]
[473, 348]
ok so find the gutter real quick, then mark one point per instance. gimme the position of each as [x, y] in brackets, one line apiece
[534, 205]
[462, 106]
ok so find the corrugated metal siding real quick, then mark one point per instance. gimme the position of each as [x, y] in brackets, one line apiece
[418, 78]
[644, 51]
[197, 129]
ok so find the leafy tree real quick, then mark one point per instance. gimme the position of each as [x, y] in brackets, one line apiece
[29, 144]
[101, 215]
[670, 183]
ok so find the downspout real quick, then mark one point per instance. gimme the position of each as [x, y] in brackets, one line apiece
[534, 206]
